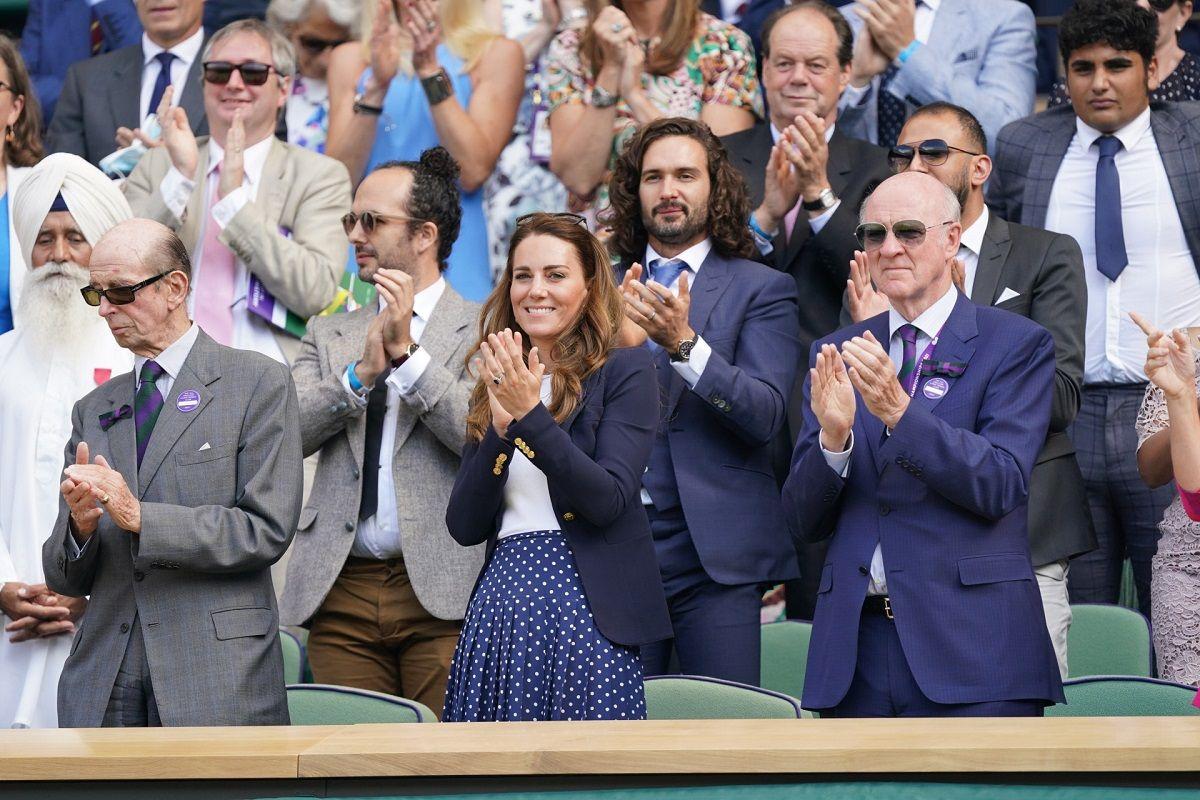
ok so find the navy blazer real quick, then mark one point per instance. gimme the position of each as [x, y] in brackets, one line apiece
[593, 464]
[945, 495]
[721, 430]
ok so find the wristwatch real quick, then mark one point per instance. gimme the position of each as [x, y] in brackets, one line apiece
[408, 353]
[825, 201]
[361, 107]
[437, 87]
[603, 98]
[683, 351]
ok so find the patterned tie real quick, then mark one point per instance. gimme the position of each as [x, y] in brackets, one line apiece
[212, 305]
[891, 110]
[96, 34]
[164, 60]
[1111, 257]
[147, 404]
[665, 271]
[908, 366]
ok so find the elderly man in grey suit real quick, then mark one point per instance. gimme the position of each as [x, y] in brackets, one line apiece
[978, 54]
[182, 487]
[260, 217]
[383, 399]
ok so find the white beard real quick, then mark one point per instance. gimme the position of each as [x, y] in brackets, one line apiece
[51, 311]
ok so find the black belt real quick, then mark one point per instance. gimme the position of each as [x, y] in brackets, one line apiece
[879, 605]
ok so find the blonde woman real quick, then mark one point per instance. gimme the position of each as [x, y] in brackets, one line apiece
[429, 73]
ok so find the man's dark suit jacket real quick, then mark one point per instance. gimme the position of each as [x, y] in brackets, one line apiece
[1046, 271]
[1029, 153]
[819, 264]
[593, 464]
[103, 94]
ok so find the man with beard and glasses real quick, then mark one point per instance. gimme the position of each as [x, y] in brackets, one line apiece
[1028, 271]
[61, 352]
[725, 334]
[383, 400]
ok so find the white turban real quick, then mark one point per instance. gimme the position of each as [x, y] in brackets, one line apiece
[93, 199]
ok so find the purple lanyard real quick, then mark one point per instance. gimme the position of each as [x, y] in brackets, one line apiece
[925, 356]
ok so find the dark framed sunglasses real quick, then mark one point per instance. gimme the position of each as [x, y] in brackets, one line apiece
[118, 295]
[908, 232]
[933, 152]
[371, 219]
[315, 45]
[565, 215]
[252, 72]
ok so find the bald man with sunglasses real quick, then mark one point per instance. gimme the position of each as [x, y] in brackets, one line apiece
[260, 217]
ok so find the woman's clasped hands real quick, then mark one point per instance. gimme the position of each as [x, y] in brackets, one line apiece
[514, 387]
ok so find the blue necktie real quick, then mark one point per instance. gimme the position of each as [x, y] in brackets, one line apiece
[890, 109]
[665, 271]
[164, 60]
[1111, 257]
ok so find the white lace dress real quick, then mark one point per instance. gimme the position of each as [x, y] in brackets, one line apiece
[1175, 571]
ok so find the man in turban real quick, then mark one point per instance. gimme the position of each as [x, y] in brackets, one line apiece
[59, 351]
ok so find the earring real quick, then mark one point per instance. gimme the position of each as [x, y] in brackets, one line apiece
[8, 134]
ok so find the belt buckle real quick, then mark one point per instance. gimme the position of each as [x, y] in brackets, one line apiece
[887, 607]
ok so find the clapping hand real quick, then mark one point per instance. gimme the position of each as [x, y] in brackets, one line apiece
[652, 306]
[891, 23]
[86, 484]
[396, 286]
[862, 298]
[874, 376]
[420, 18]
[175, 133]
[515, 387]
[36, 612]
[233, 163]
[384, 46]
[832, 399]
[1170, 360]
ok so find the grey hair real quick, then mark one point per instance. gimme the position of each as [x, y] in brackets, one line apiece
[282, 53]
[950, 208]
[282, 14]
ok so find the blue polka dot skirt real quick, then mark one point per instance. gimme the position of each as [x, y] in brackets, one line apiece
[529, 648]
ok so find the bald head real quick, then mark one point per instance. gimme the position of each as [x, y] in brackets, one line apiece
[916, 190]
[149, 246]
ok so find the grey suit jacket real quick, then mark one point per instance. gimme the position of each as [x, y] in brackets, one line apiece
[430, 432]
[220, 489]
[290, 236]
[102, 94]
[981, 55]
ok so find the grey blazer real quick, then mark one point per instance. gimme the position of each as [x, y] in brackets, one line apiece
[102, 94]
[220, 488]
[430, 432]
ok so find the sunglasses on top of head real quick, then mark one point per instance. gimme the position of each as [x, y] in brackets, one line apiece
[933, 152]
[252, 72]
[315, 45]
[118, 295]
[908, 232]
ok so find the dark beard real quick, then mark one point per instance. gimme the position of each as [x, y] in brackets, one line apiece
[694, 222]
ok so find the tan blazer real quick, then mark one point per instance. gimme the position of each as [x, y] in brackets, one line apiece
[290, 236]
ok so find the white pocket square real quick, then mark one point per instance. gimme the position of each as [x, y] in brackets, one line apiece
[205, 446]
[1007, 294]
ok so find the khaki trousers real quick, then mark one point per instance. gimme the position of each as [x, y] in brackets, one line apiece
[372, 633]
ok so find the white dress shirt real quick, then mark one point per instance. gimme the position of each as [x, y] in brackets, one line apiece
[968, 249]
[250, 331]
[186, 53]
[1160, 280]
[922, 26]
[527, 505]
[379, 536]
[928, 325]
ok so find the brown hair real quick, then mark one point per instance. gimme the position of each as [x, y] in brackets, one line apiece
[728, 203]
[583, 347]
[845, 34]
[680, 27]
[24, 149]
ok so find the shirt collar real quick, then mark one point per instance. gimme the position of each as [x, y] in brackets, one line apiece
[972, 237]
[694, 256]
[186, 51]
[932, 4]
[171, 359]
[775, 132]
[1133, 131]
[930, 322]
[425, 300]
[254, 160]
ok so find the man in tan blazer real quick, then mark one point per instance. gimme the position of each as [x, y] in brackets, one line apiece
[383, 400]
[260, 217]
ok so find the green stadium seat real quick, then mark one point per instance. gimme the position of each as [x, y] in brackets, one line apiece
[322, 704]
[697, 697]
[1125, 696]
[1108, 640]
[784, 656]
[293, 657]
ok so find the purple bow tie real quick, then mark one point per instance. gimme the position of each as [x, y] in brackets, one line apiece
[108, 419]
[951, 369]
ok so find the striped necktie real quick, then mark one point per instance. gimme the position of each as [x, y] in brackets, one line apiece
[908, 366]
[147, 404]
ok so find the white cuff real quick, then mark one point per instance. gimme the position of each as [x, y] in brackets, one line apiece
[693, 368]
[227, 207]
[816, 223]
[360, 400]
[404, 377]
[838, 462]
[175, 190]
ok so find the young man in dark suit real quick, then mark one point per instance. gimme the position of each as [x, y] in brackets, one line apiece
[725, 337]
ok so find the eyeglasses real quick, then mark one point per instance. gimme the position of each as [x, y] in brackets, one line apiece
[118, 295]
[908, 232]
[252, 72]
[933, 152]
[315, 45]
[370, 219]
[564, 215]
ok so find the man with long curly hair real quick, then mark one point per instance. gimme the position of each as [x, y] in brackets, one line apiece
[726, 339]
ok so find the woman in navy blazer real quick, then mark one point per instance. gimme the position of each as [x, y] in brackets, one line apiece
[559, 432]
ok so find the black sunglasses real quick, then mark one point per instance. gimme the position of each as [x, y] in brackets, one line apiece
[118, 295]
[933, 152]
[908, 232]
[566, 215]
[252, 72]
[316, 45]
[370, 219]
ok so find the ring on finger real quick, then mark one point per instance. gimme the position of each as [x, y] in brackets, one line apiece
[430, 25]
[652, 314]
[104, 500]
[616, 27]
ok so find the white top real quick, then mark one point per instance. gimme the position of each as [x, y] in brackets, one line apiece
[250, 331]
[968, 250]
[928, 325]
[171, 360]
[379, 536]
[1160, 280]
[527, 505]
[186, 52]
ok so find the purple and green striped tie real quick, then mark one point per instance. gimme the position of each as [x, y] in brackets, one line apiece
[908, 367]
[147, 404]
